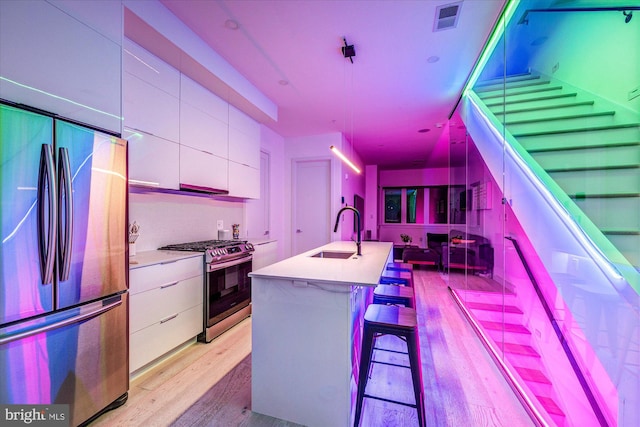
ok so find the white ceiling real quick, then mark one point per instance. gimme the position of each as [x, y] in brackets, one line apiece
[381, 101]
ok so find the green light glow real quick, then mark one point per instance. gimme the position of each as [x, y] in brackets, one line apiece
[496, 35]
[60, 97]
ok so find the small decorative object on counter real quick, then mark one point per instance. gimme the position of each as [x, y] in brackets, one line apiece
[134, 233]
[406, 238]
[236, 231]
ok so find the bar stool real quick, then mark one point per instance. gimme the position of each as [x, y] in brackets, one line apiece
[390, 277]
[400, 266]
[394, 295]
[401, 322]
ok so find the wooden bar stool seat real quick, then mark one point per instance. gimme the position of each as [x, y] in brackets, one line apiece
[401, 322]
[392, 277]
[394, 295]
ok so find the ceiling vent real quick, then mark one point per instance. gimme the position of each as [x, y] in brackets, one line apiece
[447, 16]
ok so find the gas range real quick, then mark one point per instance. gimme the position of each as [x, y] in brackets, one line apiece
[216, 251]
[227, 285]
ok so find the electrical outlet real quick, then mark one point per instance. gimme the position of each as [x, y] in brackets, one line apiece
[555, 67]
[220, 224]
[633, 93]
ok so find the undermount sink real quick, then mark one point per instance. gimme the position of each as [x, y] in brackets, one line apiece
[333, 254]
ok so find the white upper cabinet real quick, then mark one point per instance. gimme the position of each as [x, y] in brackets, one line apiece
[202, 169]
[244, 139]
[57, 62]
[199, 97]
[150, 109]
[153, 161]
[201, 131]
[148, 67]
[244, 181]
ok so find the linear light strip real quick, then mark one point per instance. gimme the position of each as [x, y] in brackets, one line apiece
[344, 158]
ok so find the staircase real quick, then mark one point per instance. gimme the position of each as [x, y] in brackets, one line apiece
[587, 145]
[501, 318]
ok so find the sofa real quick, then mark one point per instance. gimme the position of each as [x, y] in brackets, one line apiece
[460, 250]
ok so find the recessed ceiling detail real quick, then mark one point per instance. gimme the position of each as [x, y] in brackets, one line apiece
[447, 16]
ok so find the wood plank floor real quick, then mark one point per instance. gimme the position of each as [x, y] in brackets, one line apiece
[462, 385]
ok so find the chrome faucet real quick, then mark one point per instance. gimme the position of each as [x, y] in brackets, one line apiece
[357, 214]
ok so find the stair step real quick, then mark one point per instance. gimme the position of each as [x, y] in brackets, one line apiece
[502, 86]
[560, 118]
[532, 99]
[605, 146]
[591, 168]
[559, 106]
[493, 307]
[589, 158]
[508, 79]
[533, 375]
[618, 181]
[518, 92]
[520, 349]
[625, 222]
[621, 232]
[507, 327]
[550, 405]
[580, 129]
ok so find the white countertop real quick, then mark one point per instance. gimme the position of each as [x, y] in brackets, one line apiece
[356, 270]
[146, 258]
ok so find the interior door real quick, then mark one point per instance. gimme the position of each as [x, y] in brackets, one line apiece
[92, 215]
[311, 204]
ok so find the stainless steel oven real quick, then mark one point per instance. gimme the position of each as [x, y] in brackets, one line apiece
[227, 295]
[227, 285]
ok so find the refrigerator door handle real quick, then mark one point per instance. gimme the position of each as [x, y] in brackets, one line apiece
[65, 206]
[113, 303]
[47, 214]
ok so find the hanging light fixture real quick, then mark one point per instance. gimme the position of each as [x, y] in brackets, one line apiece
[344, 159]
[348, 51]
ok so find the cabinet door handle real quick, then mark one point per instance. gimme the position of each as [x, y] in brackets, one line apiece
[169, 318]
[169, 285]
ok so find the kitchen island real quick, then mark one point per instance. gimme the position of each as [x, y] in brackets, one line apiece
[307, 314]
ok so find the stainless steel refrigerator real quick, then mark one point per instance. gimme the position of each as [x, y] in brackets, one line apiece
[63, 264]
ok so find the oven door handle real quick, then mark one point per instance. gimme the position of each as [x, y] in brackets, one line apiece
[219, 266]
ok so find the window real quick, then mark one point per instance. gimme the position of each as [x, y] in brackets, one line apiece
[422, 205]
[415, 205]
[393, 205]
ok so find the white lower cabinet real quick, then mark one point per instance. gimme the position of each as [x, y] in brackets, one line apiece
[264, 254]
[165, 308]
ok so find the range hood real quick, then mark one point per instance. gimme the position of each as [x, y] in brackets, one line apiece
[201, 189]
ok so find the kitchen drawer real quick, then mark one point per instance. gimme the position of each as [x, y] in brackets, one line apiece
[157, 275]
[154, 305]
[154, 341]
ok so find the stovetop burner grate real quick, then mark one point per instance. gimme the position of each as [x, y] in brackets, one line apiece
[202, 246]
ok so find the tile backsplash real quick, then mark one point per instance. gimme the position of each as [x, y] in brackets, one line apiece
[170, 218]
